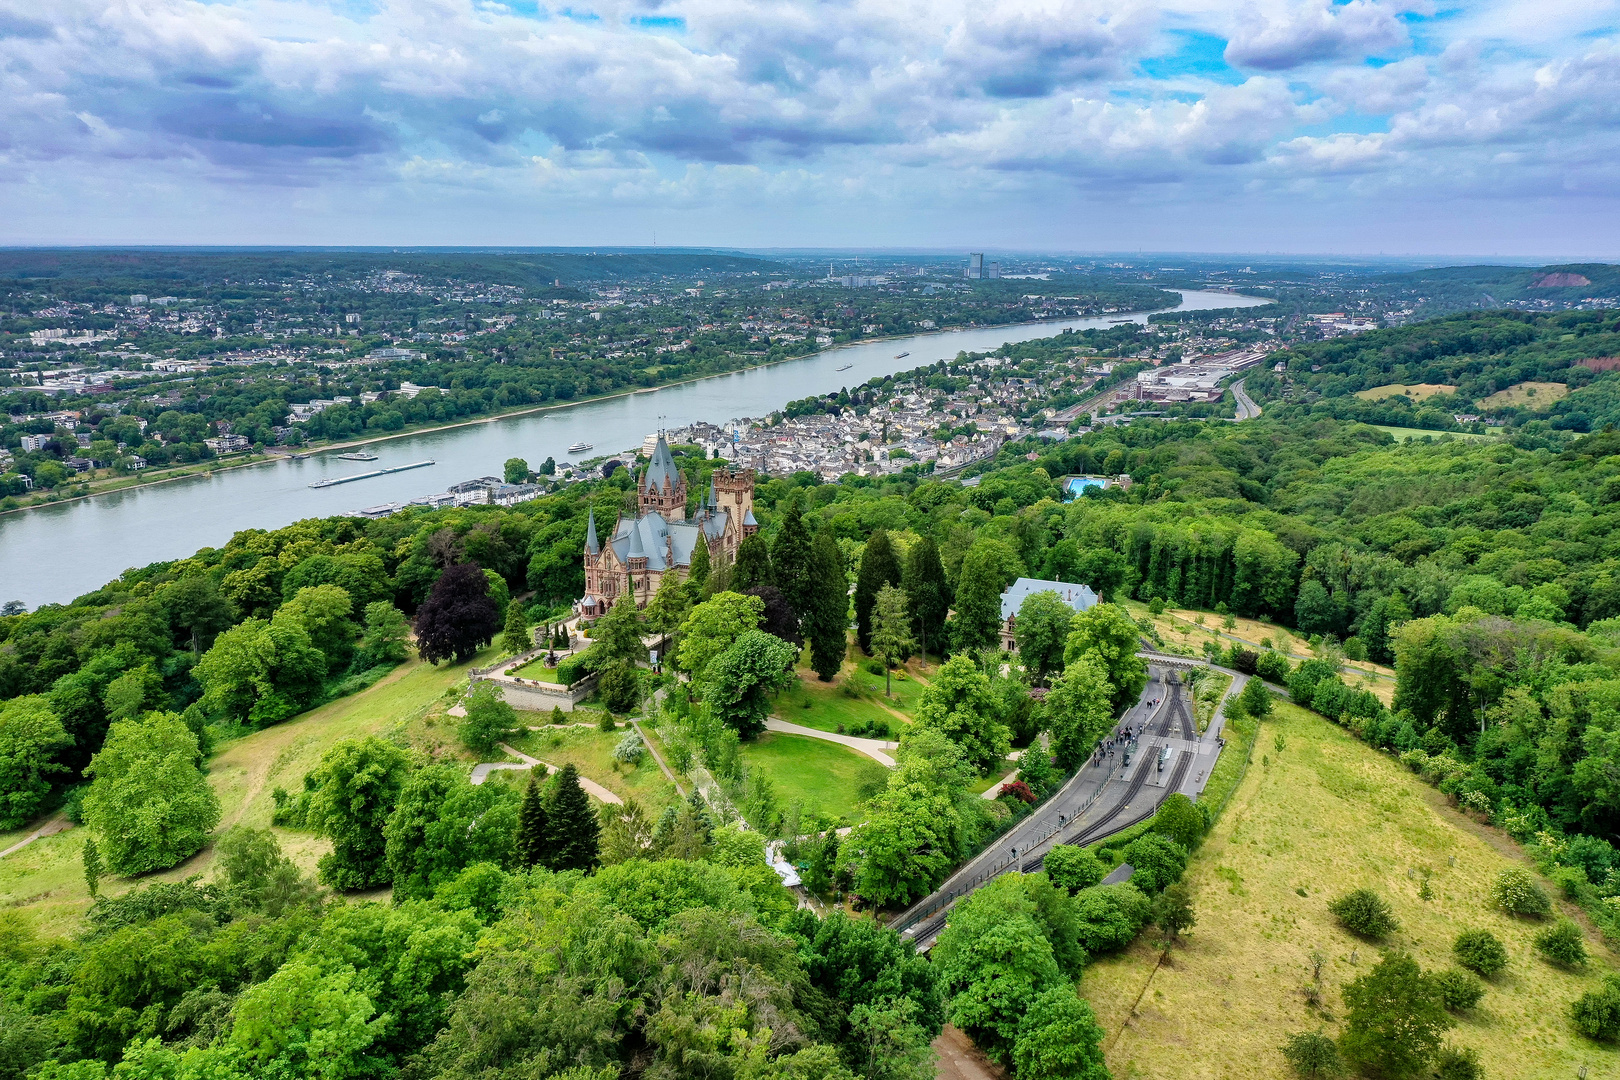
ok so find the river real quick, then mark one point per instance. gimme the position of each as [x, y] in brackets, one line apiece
[53, 553]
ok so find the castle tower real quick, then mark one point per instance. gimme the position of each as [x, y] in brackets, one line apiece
[733, 492]
[662, 487]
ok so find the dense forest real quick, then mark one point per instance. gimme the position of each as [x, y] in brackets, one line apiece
[1470, 357]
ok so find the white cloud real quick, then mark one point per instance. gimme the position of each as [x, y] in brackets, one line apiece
[898, 105]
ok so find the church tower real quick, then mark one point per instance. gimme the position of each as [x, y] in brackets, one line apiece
[662, 487]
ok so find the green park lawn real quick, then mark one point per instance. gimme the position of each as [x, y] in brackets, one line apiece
[47, 879]
[831, 706]
[591, 752]
[536, 670]
[1319, 816]
[815, 774]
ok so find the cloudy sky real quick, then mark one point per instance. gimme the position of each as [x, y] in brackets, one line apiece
[1478, 128]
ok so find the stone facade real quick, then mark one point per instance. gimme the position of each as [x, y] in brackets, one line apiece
[660, 539]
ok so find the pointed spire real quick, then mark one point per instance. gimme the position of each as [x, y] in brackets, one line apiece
[713, 503]
[591, 545]
[636, 550]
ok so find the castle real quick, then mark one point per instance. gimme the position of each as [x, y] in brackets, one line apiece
[660, 540]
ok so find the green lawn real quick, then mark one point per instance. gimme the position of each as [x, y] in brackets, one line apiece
[985, 783]
[815, 774]
[831, 706]
[536, 670]
[47, 876]
[591, 752]
[1406, 434]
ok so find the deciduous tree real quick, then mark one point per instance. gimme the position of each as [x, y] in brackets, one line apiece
[357, 784]
[1078, 711]
[1108, 634]
[148, 801]
[1041, 628]
[958, 704]
[459, 616]
[31, 738]
[738, 683]
[1395, 1015]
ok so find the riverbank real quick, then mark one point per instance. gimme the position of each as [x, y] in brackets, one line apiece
[110, 485]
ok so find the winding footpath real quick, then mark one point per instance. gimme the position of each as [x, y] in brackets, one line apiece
[481, 772]
[876, 749]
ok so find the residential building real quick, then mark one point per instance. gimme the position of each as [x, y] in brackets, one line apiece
[1078, 597]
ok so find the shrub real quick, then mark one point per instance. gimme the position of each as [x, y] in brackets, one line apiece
[1272, 667]
[605, 722]
[1461, 990]
[1596, 1013]
[1179, 820]
[1562, 943]
[1108, 917]
[1156, 605]
[1516, 892]
[630, 749]
[1073, 868]
[873, 667]
[1312, 1054]
[1480, 951]
[1365, 913]
[1156, 861]
[1457, 1063]
[574, 667]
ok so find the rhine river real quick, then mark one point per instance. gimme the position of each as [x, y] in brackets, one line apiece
[52, 554]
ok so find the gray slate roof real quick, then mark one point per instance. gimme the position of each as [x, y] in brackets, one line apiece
[655, 538]
[1079, 597]
[661, 468]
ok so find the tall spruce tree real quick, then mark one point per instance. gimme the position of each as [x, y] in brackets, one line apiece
[697, 575]
[575, 833]
[533, 839]
[927, 593]
[879, 567]
[752, 569]
[827, 620]
[790, 559]
[978, 601]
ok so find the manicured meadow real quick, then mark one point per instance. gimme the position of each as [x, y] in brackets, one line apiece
[815, 774]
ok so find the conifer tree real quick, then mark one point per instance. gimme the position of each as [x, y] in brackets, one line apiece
[572, 826]
[753, 566]
[879, 567]
[697, 576]
[790, 559]
[515, 637]
[978, 601]
[827, 620]
[533, 840]
[927, 593]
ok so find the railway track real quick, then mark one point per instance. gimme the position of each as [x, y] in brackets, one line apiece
[1178, 714]
[1177, 720]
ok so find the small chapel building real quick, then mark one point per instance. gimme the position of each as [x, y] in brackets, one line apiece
[660, 539]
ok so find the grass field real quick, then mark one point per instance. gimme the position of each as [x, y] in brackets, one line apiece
[47, 878]
[831, 707]
[1180, 626]
[591, 752]
[1527, 395]
[1322, 815]
[815, 774]
[1417, 392]
[1407, 434]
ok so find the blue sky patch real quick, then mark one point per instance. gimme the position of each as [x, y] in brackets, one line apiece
[1197, 53]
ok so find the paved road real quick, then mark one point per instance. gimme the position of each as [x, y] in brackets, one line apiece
[1246, 408]
[1100, 800]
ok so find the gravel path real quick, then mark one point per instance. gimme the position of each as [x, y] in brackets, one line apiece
[872, 748]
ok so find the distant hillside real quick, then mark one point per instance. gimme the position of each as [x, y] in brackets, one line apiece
[145, 269]
[1499, 286]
